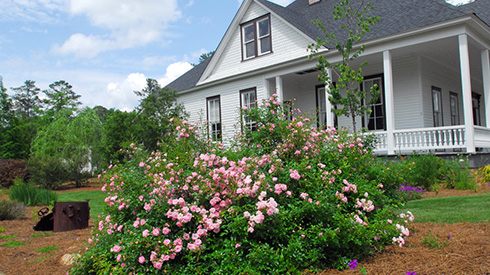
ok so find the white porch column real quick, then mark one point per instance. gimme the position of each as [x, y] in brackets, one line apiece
[328, 104]
[389, 102]
[279, 89]
[485, 61]
[464, 59]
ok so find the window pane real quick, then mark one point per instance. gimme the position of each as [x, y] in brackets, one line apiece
[264, 27]
[249, 32]
[265, 45]
[250, 50]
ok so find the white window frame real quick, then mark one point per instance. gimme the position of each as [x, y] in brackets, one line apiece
[437, 112]
[214, 118]
[257, 39]
[454, 106]
[376, 108]
[248, 98]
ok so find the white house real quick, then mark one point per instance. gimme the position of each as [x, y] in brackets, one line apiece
[430, 59]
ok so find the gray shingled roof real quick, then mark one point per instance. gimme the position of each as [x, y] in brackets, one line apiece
[395, 17]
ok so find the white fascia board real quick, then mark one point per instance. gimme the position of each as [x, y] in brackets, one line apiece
[286, 67]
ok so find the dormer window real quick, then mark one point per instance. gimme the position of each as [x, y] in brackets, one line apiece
[256, 37]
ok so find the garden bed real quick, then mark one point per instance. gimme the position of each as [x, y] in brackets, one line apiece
[467, 251]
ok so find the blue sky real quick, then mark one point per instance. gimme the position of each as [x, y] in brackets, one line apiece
[107, 48]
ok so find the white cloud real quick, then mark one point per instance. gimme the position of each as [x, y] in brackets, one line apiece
[129, 23]
[84, 46]
[174, 71]
[39, 11]
[121, 95]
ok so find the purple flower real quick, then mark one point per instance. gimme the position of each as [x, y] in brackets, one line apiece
[410, 273]
[353, 264]
[449, 236]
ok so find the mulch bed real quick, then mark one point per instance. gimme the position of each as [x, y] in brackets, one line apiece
[467, 250]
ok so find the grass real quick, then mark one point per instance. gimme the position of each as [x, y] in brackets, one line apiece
[473, 209]
[13, 243]
[8, 237]
[96, 202]
[47, 249]
[41, 234]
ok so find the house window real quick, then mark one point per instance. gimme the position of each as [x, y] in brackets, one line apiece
[453, 102]
[437, 106]
[248, 100]
[476, 109]
[256, 37]
[214, 118]
[376, 120]
[321, 108]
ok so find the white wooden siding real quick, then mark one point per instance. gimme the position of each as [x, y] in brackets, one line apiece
[195, 103]
[287, 44]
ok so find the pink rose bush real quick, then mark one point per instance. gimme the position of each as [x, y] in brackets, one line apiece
[201, 207]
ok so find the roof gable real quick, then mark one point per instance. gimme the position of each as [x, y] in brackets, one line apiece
[395, 17]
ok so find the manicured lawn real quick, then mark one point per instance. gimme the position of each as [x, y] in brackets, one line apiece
[96, 202]
[474, 209]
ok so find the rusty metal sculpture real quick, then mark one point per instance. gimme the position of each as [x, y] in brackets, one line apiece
[66, 216]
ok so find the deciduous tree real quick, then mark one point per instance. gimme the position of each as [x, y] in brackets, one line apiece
[345, 93]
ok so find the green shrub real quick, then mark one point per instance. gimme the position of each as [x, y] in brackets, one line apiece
[426, 171]
[30, 195]
[10, 210]
[457, 174]
[47, 171]
[283, 199]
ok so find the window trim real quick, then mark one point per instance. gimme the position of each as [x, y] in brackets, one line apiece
[439, 91]
[256, 40]
[254, 90]
[476, 109]
[220, 137]
[365, 118]
[457, 119]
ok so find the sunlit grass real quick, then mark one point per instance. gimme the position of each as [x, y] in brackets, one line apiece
[473, 209]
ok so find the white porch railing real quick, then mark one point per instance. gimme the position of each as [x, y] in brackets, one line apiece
[482, 137]
[451, 137]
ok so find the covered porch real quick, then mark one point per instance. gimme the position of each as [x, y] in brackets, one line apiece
[435, 94]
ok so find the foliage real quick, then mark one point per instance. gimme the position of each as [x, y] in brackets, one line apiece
[483, 174]
[427, 172]
[2, 229]
[10, 210]
[307, 202]
[121, 129]
[30, 195]
[157, 106]
[60, 97]
[10, 170]
[457, 174]
[355, 23]
[67, 149]
[203, 57]
[432, 241]
[27, 101]
[473, 209]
